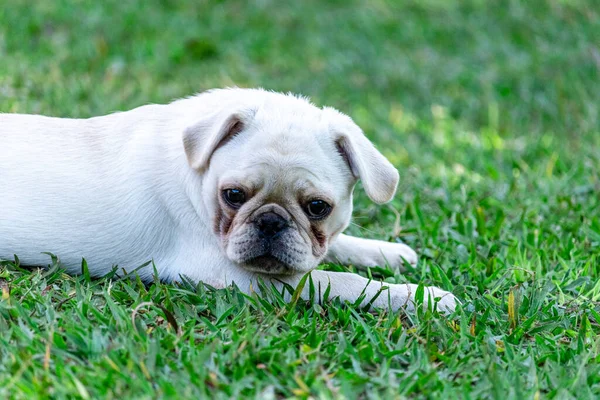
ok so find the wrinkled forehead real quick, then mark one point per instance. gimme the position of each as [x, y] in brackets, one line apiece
[301, 173]
[290, 150]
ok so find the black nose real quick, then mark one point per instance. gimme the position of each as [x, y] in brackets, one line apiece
[270, 224]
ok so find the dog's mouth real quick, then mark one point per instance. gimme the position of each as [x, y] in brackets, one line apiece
[268, 264]
[280, 255]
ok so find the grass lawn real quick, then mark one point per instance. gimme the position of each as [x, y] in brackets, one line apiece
[489, 109]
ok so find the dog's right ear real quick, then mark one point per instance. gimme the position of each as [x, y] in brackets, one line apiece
[203, 138]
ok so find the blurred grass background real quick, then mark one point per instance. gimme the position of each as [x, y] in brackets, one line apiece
[489, 109]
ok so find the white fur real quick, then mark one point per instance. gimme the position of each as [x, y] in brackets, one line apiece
[370, 253]
[123, 189]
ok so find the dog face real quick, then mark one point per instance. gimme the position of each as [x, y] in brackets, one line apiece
[277, 177]
[276, 207]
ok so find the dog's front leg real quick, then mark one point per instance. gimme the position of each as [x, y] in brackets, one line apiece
[343, 285]
[360, 252]
[349, 287]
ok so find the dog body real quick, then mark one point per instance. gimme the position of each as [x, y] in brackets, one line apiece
[224, 187]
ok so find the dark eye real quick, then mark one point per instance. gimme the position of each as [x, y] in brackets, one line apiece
[317, 209]
[234, 197]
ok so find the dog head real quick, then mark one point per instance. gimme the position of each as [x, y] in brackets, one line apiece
[278, 175]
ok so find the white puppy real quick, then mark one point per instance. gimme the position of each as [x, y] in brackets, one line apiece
[227, 186]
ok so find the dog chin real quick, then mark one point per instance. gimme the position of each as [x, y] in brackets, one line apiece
[269, 265]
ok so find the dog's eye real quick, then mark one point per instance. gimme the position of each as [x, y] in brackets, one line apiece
[234, 197]
[317, 209]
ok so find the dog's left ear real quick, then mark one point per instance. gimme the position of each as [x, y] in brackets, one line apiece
[378, 175]
[203, 138]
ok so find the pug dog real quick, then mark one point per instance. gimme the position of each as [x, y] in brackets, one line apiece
[230, 186]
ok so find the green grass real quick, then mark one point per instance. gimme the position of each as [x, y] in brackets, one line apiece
[489, 109]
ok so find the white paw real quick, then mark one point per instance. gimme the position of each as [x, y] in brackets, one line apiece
[394, 254]
[403, 296]
[445, 302]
